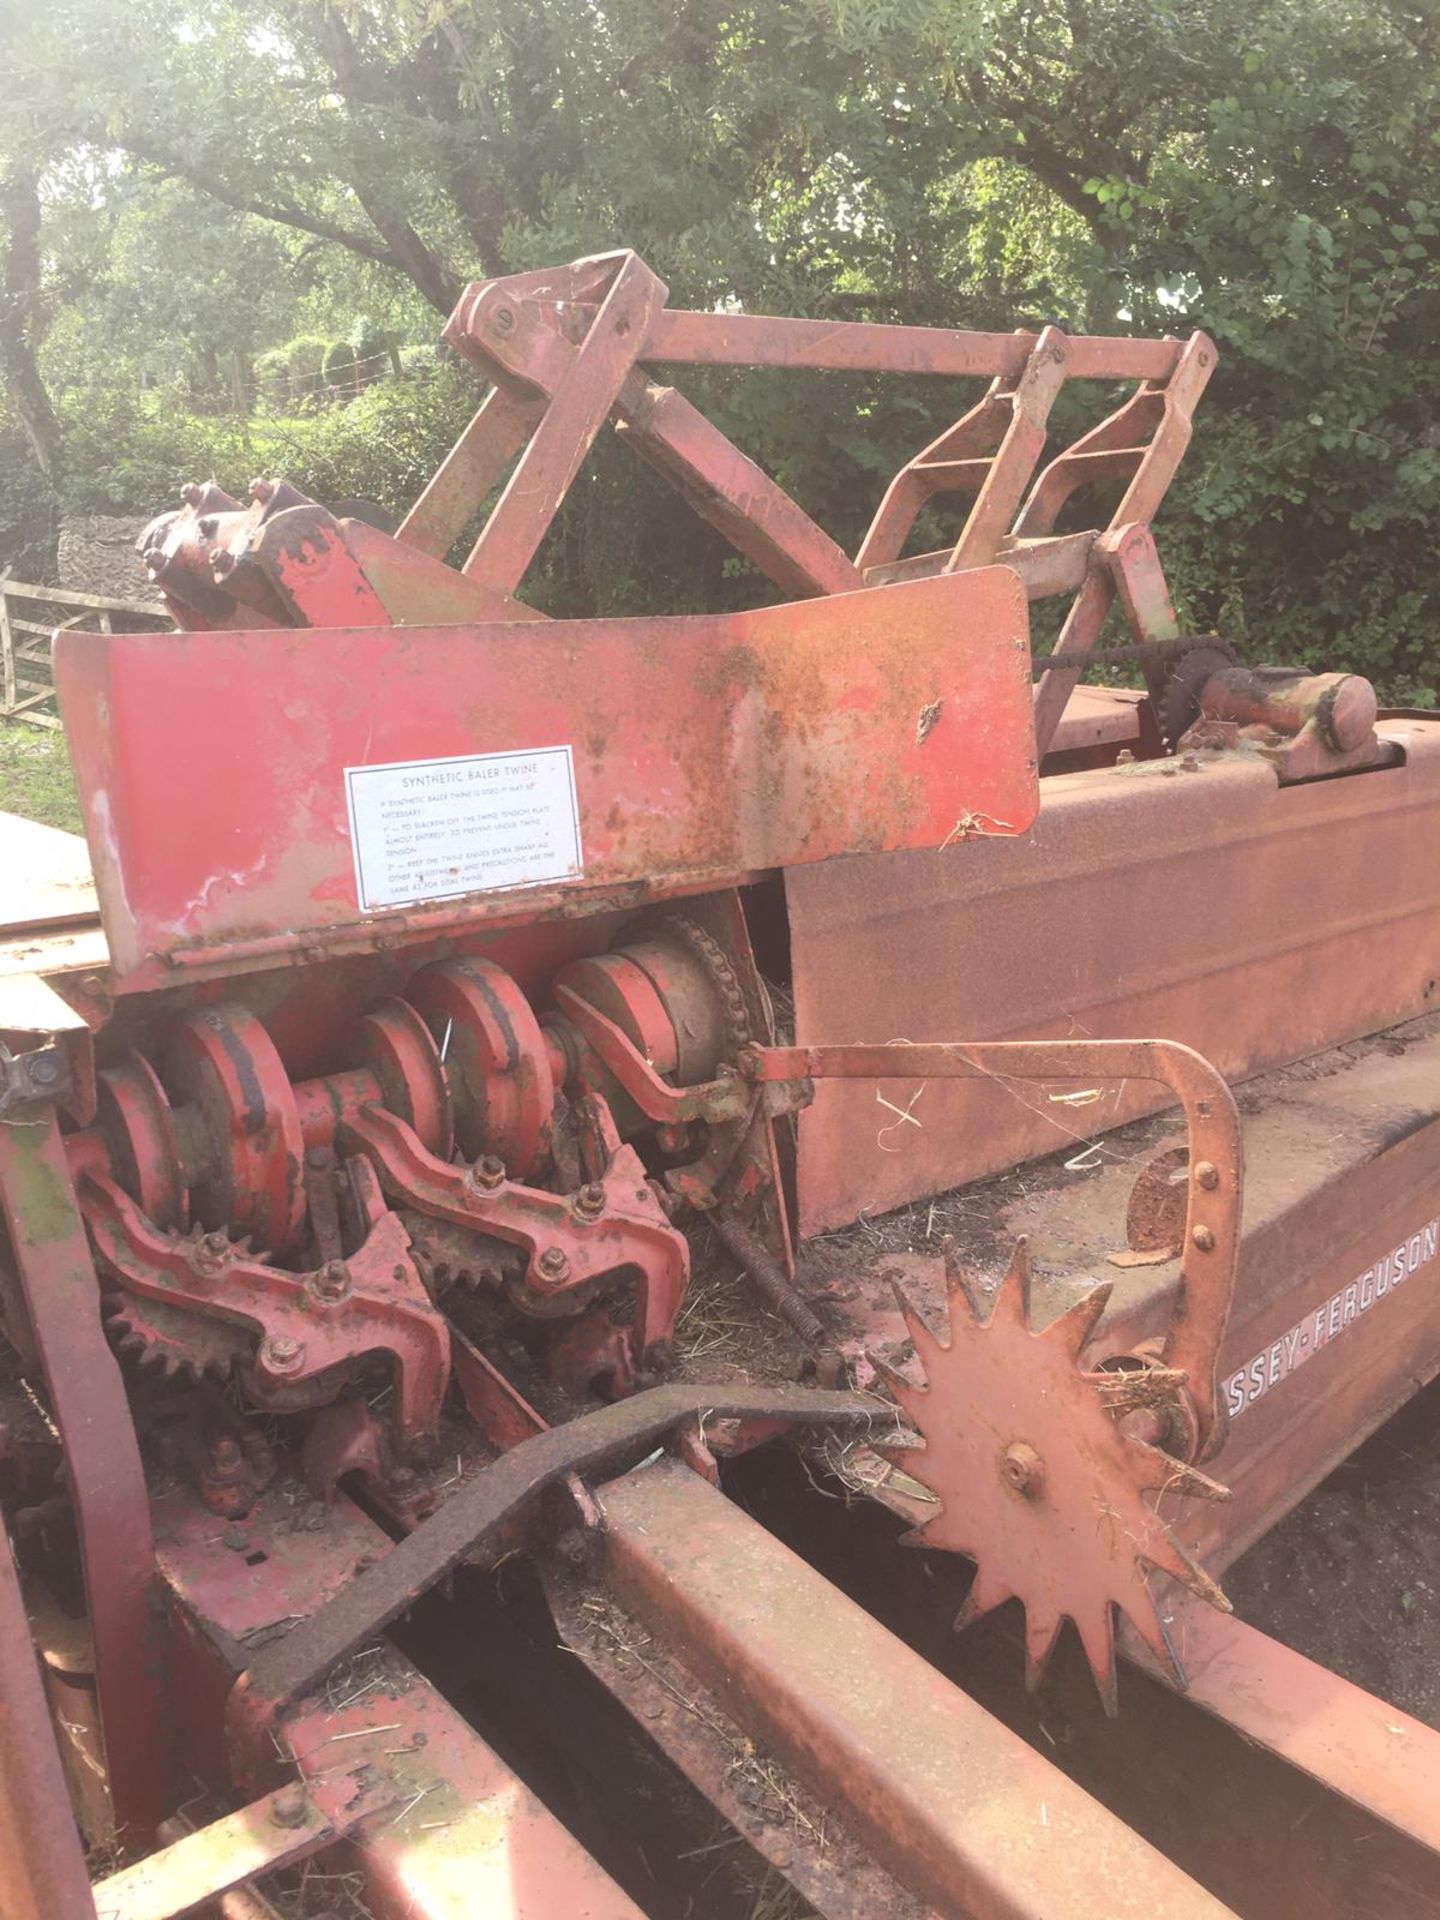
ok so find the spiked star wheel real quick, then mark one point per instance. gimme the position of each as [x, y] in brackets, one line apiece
[1039, 1483]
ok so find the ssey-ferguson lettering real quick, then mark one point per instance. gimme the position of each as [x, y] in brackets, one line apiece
[1331, 1318]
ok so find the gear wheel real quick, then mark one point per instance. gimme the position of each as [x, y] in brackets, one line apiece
[1179, 705]
[716, 962]
[1039, 1481]
[170, 1337]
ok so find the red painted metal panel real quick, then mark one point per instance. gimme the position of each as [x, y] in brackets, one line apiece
[1254, 923]
[212, 770]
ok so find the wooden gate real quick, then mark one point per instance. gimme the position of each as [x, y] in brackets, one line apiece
[27, 691]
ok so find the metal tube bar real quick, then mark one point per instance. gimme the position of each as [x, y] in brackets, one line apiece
[759, 340]
[949, 1800]
[577, 410]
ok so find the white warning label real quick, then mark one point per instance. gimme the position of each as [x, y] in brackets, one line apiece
[432, 829]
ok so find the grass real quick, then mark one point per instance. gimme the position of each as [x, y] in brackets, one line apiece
[35, 776]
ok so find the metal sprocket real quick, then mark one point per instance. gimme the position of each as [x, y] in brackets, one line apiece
[1037, 1478]
[176, 1340]
[1179, 705]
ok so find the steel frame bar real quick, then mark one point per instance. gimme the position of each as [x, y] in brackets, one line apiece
[1163, 413]
[105, 1475]
[578, 408]
[1364, 1749]
[522, 333]
[991, 452]
[472, 469]
[760, 340]
[42, 1864]
[956, 1805]
[726, 488]
[190, 1873]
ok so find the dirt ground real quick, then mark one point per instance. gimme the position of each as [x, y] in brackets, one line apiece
[1352, 1577]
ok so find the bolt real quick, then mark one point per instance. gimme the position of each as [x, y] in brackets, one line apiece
[487, 1173]
[1189, 764]
[261, 490]
[503, 319]
[1204, 1238]
[225, 1458]
[1207, 1175]
[332, 1282]
[590, 1200]
[44, 1070]
[191, 494]
[282, 1354]
[209, 1256]
[1124, 758]
[553, 1263]
[289, 1808]
[318, 1158]
[1023, 1468]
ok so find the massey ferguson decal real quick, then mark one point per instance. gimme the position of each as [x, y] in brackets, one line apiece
[1330, 1319]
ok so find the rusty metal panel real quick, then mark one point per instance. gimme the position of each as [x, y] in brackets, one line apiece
[952, 1801]
[1339, 1315]
[214, 775]
[1254, 923]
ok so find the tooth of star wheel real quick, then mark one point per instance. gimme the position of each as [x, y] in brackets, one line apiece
[1037, 1481]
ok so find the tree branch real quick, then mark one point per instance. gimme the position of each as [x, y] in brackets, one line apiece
[217, 188]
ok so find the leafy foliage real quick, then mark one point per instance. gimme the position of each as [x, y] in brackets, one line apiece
[235, 189]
